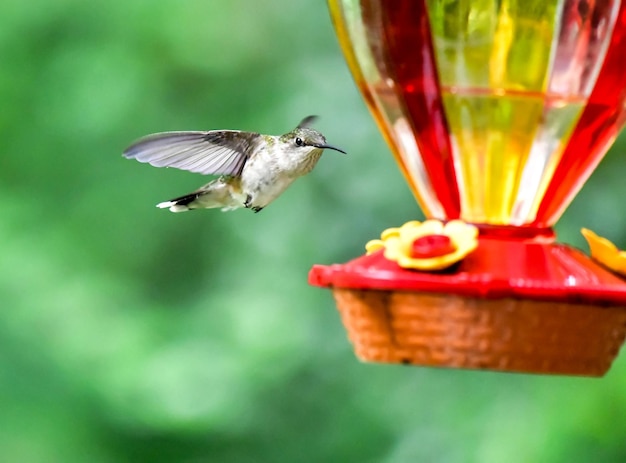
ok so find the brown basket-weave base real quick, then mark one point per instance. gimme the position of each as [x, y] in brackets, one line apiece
[508, 334]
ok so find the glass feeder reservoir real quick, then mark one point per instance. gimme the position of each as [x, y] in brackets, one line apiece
[496, 112]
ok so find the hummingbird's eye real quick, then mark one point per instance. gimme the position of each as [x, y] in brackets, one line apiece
[299, 142]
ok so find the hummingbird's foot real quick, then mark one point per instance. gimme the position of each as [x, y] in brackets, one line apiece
[248, 204]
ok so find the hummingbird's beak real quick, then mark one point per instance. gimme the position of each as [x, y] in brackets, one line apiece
[330, 147]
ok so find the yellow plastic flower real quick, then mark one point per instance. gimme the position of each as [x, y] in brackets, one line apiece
[605, 252]
[428, 245]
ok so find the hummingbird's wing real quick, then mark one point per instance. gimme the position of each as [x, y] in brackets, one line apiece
[307, 121]
[218, 152]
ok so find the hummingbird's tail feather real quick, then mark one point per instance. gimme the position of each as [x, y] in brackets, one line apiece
[179, 204]
[217, 194]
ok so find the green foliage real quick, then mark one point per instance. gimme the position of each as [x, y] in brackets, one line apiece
[130, 334]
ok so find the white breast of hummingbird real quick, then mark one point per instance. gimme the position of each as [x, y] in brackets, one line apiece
[273, 167]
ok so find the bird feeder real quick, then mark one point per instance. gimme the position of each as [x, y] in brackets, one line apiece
[496, 112]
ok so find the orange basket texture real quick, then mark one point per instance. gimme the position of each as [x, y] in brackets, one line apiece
[507, 334]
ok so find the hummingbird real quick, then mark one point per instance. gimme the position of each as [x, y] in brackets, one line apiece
[253, 169]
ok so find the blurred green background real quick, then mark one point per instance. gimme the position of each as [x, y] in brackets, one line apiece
[130, 334]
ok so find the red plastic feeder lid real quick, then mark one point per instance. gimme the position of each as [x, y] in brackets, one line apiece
[498, 268]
